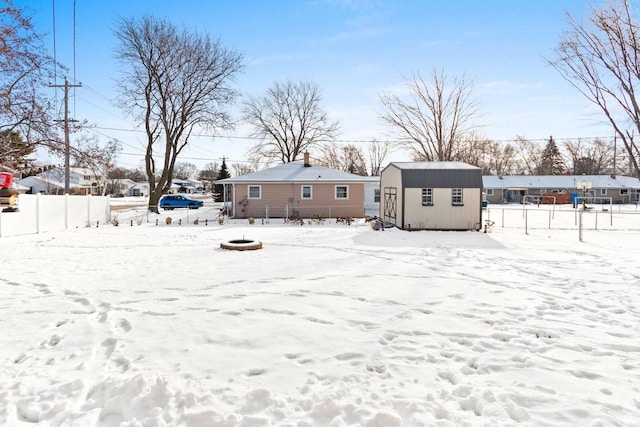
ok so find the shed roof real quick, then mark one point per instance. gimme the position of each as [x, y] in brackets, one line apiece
[297, 172]
[438, 174]
[432, 165]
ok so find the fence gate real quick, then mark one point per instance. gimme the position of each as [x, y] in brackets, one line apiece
[390, 204]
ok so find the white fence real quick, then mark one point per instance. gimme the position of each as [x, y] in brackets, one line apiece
[40, 213]
[564, 217]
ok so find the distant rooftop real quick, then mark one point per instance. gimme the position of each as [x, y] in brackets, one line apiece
[297, 172]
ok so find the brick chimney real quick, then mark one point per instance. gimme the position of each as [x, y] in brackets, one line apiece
[306, 159]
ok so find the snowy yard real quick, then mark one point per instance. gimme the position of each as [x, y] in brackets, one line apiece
[327, 325]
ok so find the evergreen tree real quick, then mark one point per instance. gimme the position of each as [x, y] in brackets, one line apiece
[551, 162]
[14, 151]
[223, 173]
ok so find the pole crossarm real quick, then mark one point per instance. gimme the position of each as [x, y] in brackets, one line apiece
[66, 121]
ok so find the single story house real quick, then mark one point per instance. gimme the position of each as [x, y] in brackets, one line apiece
[188, 186]
[603, 188]
[52, 181]
[299, 189]
[39, 184]
[432, 195]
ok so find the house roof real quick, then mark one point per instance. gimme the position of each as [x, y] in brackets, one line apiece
[297, 172]
[558, 181]
[49, 183]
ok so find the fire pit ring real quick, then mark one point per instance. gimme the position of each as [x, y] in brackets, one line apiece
[241, 245]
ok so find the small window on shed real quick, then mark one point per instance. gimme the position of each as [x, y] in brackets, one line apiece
[489, 191]
[427, 197]
[624, 191]
[456, 196]
[603, 191]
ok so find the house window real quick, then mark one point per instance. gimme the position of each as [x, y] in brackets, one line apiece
[427, 197]
[306, 192]
[376, 195]
[342, 192]
[255, 192]
[624, 191]
[456, 196]
[603, 191]
[489, 191]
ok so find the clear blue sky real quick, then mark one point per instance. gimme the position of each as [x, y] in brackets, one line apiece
[353, 49]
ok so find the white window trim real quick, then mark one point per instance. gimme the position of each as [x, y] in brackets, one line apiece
[461, 202]
[603, 191]
[422, 197]
[249, 192]
[335, 192]
[489, 191]
[310, 192]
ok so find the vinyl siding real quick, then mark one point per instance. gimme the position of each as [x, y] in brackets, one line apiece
[442, 215]
[285, 199]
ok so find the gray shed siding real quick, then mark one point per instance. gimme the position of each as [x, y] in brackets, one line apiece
[442, 178]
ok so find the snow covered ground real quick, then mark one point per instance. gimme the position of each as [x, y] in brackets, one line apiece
[327, 325]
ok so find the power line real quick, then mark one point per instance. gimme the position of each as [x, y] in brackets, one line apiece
[256, 138]
[55, 59]
[74, 56]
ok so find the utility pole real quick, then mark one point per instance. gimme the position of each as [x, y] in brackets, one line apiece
[66, 121]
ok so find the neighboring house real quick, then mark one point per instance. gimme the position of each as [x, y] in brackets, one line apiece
[298, 189]
[188, 186]
[81, 181]
[38, 184]
[372, 195]
[604, 188]
[139, 189]
[117, 186]
[432, 195]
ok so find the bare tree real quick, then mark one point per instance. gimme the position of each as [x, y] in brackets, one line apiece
[492, 157]
[174, 82]
[434, 118]
[26, 69]
[347, 158]
[184, 170]
[475, 150]
[289, 120]
[530, 155]
[240, 169]
[101, 160]
[589, 157]
[503, 160]
[378, 152]
[209, 174]
[600, 59]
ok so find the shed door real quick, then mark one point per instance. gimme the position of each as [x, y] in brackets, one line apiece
[390, 203]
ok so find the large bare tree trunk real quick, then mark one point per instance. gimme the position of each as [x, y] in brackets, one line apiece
[174, 82]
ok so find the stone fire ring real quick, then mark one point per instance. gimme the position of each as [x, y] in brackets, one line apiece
[241, 245]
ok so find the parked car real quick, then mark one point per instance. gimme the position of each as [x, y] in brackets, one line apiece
[173, 201]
